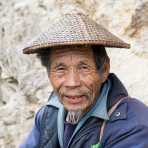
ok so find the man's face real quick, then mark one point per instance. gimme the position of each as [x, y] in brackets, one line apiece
[74, 77]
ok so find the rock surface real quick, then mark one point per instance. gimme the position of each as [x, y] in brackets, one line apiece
[24, 85]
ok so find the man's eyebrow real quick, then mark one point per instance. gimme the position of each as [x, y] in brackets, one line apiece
[83, 63]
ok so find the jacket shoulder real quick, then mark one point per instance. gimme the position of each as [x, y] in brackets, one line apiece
[128, 124]
[46, 119]
[44, 114]
[132, 111]
[137, 112]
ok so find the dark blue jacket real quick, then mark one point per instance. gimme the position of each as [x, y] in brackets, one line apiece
[126, 128]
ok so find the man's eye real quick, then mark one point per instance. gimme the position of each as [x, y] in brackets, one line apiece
[84, 68]
[60, 69]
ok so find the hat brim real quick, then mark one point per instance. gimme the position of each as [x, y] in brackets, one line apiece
[43, 47]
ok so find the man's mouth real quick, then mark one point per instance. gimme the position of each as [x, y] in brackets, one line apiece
[74, 99]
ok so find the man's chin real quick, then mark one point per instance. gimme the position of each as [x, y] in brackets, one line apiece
[74, 109]
[71, 108]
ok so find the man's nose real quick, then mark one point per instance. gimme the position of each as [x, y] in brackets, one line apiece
[72, 79]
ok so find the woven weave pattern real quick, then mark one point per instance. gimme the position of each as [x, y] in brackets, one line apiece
[74, 29]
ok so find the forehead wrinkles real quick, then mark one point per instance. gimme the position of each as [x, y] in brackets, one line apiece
[71, 53]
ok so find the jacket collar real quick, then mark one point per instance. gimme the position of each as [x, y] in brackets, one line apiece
[54, 100]
[116, 92]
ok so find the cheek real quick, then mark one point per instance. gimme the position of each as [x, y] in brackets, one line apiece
[92, 81]
[55, 81]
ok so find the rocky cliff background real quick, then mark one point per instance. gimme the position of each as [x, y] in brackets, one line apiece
[24, 85]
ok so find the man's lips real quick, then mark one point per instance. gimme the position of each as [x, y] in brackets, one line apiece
[74, 99]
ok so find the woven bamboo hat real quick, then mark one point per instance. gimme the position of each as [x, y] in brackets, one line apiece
[74, 29]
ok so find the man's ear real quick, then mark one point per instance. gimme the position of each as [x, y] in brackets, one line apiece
[105, 70]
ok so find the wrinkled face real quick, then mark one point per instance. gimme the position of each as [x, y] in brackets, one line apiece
[74, 77]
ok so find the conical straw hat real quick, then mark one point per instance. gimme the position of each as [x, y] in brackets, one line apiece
[74, 29]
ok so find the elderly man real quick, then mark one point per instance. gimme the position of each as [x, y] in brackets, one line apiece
[89, 107]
